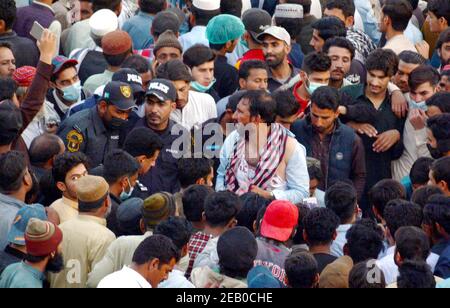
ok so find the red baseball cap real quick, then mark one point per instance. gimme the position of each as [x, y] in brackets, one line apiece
[279, 221]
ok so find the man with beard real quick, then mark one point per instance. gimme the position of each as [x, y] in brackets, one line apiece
[443, 48]
[276, 48]
[43, 241]
[339, 149]
[409, 61]
[261, 156]
[160, 103]
[99, 130]
[86, 237]
[380, 130]
[341, 52]
[439, 136]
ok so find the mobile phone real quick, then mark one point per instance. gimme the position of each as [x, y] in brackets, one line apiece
[312, 203]
[36, 31]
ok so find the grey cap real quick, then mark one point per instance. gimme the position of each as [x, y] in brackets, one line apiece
[256, 21]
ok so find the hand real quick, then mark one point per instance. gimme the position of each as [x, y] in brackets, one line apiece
[386, 140]
[418, 119]
[399, 104]
[47, 46]
[423, 49]
[261, 192]
[364, 129]
[342, 110]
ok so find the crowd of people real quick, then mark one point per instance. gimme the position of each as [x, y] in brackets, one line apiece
[224, 144]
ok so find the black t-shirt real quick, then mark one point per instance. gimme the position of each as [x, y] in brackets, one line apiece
[323, 260]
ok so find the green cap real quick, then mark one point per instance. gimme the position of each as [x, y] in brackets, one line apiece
[224, 28]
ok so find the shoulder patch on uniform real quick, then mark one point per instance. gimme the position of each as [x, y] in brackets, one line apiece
[74, 140]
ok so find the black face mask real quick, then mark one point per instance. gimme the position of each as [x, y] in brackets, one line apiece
[56, 264]
[117, 124]
[435, 153]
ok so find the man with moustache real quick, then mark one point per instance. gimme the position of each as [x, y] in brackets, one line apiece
[276, 48]
[161, 100]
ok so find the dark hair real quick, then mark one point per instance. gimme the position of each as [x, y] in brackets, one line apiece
[251, 204]
[112, 5]
[152, 6]
[346, 6]
[315, 170]
[301, 270]
[441, 101]
[8, 12]
[221, 208]
[420, 171]
[118, 164]
[193, 201]
[399, 11]
[259, 218]
[422, 195]
[117, 60]
[316, 62]
[217, 47]
[198, 55]
[8, 88]
[437, 211]
[423, 74]
[64, 67]
[340, 42]
[303, 211]
[385, 191]
[441, 170]
[342, 199]
[440, 126]
[287, 105]
[202, 17]
[329, 27]
[13, 167]
[412, 243]
[231, 7]
[326, 98]
[440, 8]
[412, 57]
[261, 103]
[292, 25]
[247, 66]
[156, 247]
[6, 45]
[400, 213]
[65, 162]
[358, 276]
[43, 148]
[174, 70]
[384, 60]
[444, 37]
[138, 63]
[178, 229]
[415, 275]
[364, 241]
[190, 170]
[320, 226]
[142, 141]
[88, 207]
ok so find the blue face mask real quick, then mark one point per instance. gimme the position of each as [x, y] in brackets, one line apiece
[313, 86]
[201, 88]
[244, 43]
[72, 93]
[127, 195]
[418, 105]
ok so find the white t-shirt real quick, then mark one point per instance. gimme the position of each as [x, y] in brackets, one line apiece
[390, 269]
[176, 280]
[124, 279]
[200, 108]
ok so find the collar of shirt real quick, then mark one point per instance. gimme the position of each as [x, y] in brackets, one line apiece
[93, 219]
[343, 228]
[294, 72]
[98, 122]
[71, 203]
[32, 271]
[8, 35]
[132, 274]
[198, 29]
[44, 5]
[5, 199]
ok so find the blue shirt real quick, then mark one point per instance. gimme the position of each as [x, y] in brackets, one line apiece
[8, 209]
[196, 36]
[296, 56]
[138, 27]
[21, 275]
[443, 266]
[413, 33]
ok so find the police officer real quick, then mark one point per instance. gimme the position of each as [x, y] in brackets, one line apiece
[98, 130]
[161, 99]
